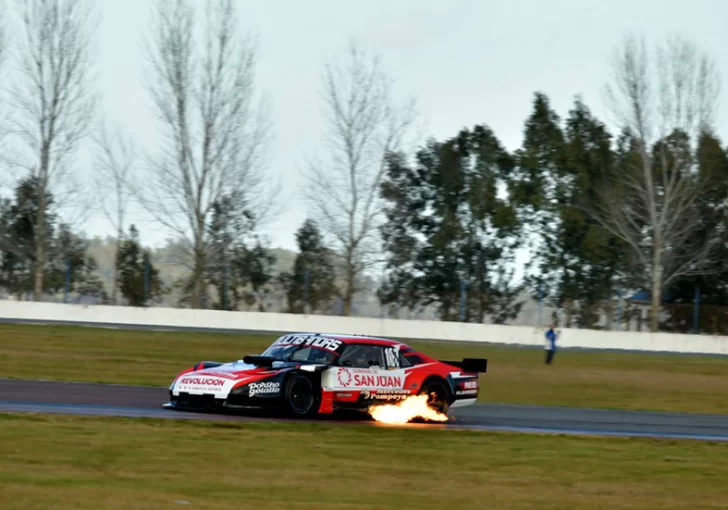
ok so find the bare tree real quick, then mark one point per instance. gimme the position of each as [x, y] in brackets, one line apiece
[214, 133]
[115, 157]
[53, 101]
[664, 102]
[363, 124]
[3, 57]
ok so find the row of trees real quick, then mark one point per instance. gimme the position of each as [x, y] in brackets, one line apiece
[207, 169]
[68, 267]
[640, 205]
[63, 249]
[206, 181]
[238, 276]
[644, 208]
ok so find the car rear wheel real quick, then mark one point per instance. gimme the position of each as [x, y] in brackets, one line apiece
[301, 397]
[438, 396]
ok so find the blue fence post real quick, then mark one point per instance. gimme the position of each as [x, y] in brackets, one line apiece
[696, 311]
[463, 300]
[67, 285]
[146, 279]
[619, 309]
[306, 276]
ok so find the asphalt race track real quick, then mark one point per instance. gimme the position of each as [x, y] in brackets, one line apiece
[146, 402]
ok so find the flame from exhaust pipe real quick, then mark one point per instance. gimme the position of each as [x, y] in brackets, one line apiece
[406, 411]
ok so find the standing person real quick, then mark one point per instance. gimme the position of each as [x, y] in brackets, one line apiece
[550, 344]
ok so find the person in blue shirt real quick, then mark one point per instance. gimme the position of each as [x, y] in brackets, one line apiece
[550, 344]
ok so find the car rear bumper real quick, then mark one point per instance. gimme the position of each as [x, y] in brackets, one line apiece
[463, 402]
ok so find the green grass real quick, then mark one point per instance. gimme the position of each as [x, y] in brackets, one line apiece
[98, 463]
[516, 375]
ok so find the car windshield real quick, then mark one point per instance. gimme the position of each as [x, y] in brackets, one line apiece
[300, 353]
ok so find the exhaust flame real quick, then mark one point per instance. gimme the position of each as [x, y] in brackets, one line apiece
[406, 410]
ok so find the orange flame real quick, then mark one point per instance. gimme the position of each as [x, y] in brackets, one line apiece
[406, 410]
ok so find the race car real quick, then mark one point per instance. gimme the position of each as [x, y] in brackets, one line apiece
[310, 374]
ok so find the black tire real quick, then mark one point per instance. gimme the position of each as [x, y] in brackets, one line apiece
[438, 395]
[302, 398]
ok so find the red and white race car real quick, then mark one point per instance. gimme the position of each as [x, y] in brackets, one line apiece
[309, 374]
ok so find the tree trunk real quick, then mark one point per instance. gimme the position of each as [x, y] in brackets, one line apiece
[198, 267]
[609, 326]
[569, 312]
[349, 294]
[115, 276]
[39, 236]
[656, 286]
[115, 279]
[196, 298]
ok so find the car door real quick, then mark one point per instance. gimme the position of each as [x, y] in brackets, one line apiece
[371, 370]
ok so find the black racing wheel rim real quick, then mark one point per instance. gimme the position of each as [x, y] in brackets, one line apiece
[301, 396]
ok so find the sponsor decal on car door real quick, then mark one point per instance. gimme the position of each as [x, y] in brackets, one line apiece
[347, 378]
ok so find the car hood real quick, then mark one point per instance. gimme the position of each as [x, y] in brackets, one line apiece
[240, 370]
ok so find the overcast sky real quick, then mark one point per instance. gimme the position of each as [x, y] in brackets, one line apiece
[467, 61]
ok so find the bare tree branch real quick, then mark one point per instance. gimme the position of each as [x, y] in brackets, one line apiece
[3, 114]
[214, 135]
[54, 103]
[363, 125]
[664, 103]
[114, 161]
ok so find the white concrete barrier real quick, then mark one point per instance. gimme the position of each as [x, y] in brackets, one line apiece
[11, 311]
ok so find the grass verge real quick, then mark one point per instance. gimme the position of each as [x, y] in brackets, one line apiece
[98, 463]
[516, 375]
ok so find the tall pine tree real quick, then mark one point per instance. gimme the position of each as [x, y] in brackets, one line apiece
[237, 264]
[17, 237]
[68, 260]
[593, 259]
[139, 280]
[62, 248]
[312, 284]
[540, 186]
[575, 264]
[713, 169]
[448, 232]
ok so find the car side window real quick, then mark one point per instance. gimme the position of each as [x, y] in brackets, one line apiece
[413, 359]
[312, 354]
[301, 354]
[408, 358]
[403, 361]
[362, 356]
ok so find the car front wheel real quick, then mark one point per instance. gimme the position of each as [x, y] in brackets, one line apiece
[301, 397]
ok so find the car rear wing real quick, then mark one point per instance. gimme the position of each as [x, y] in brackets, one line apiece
[478, 365]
